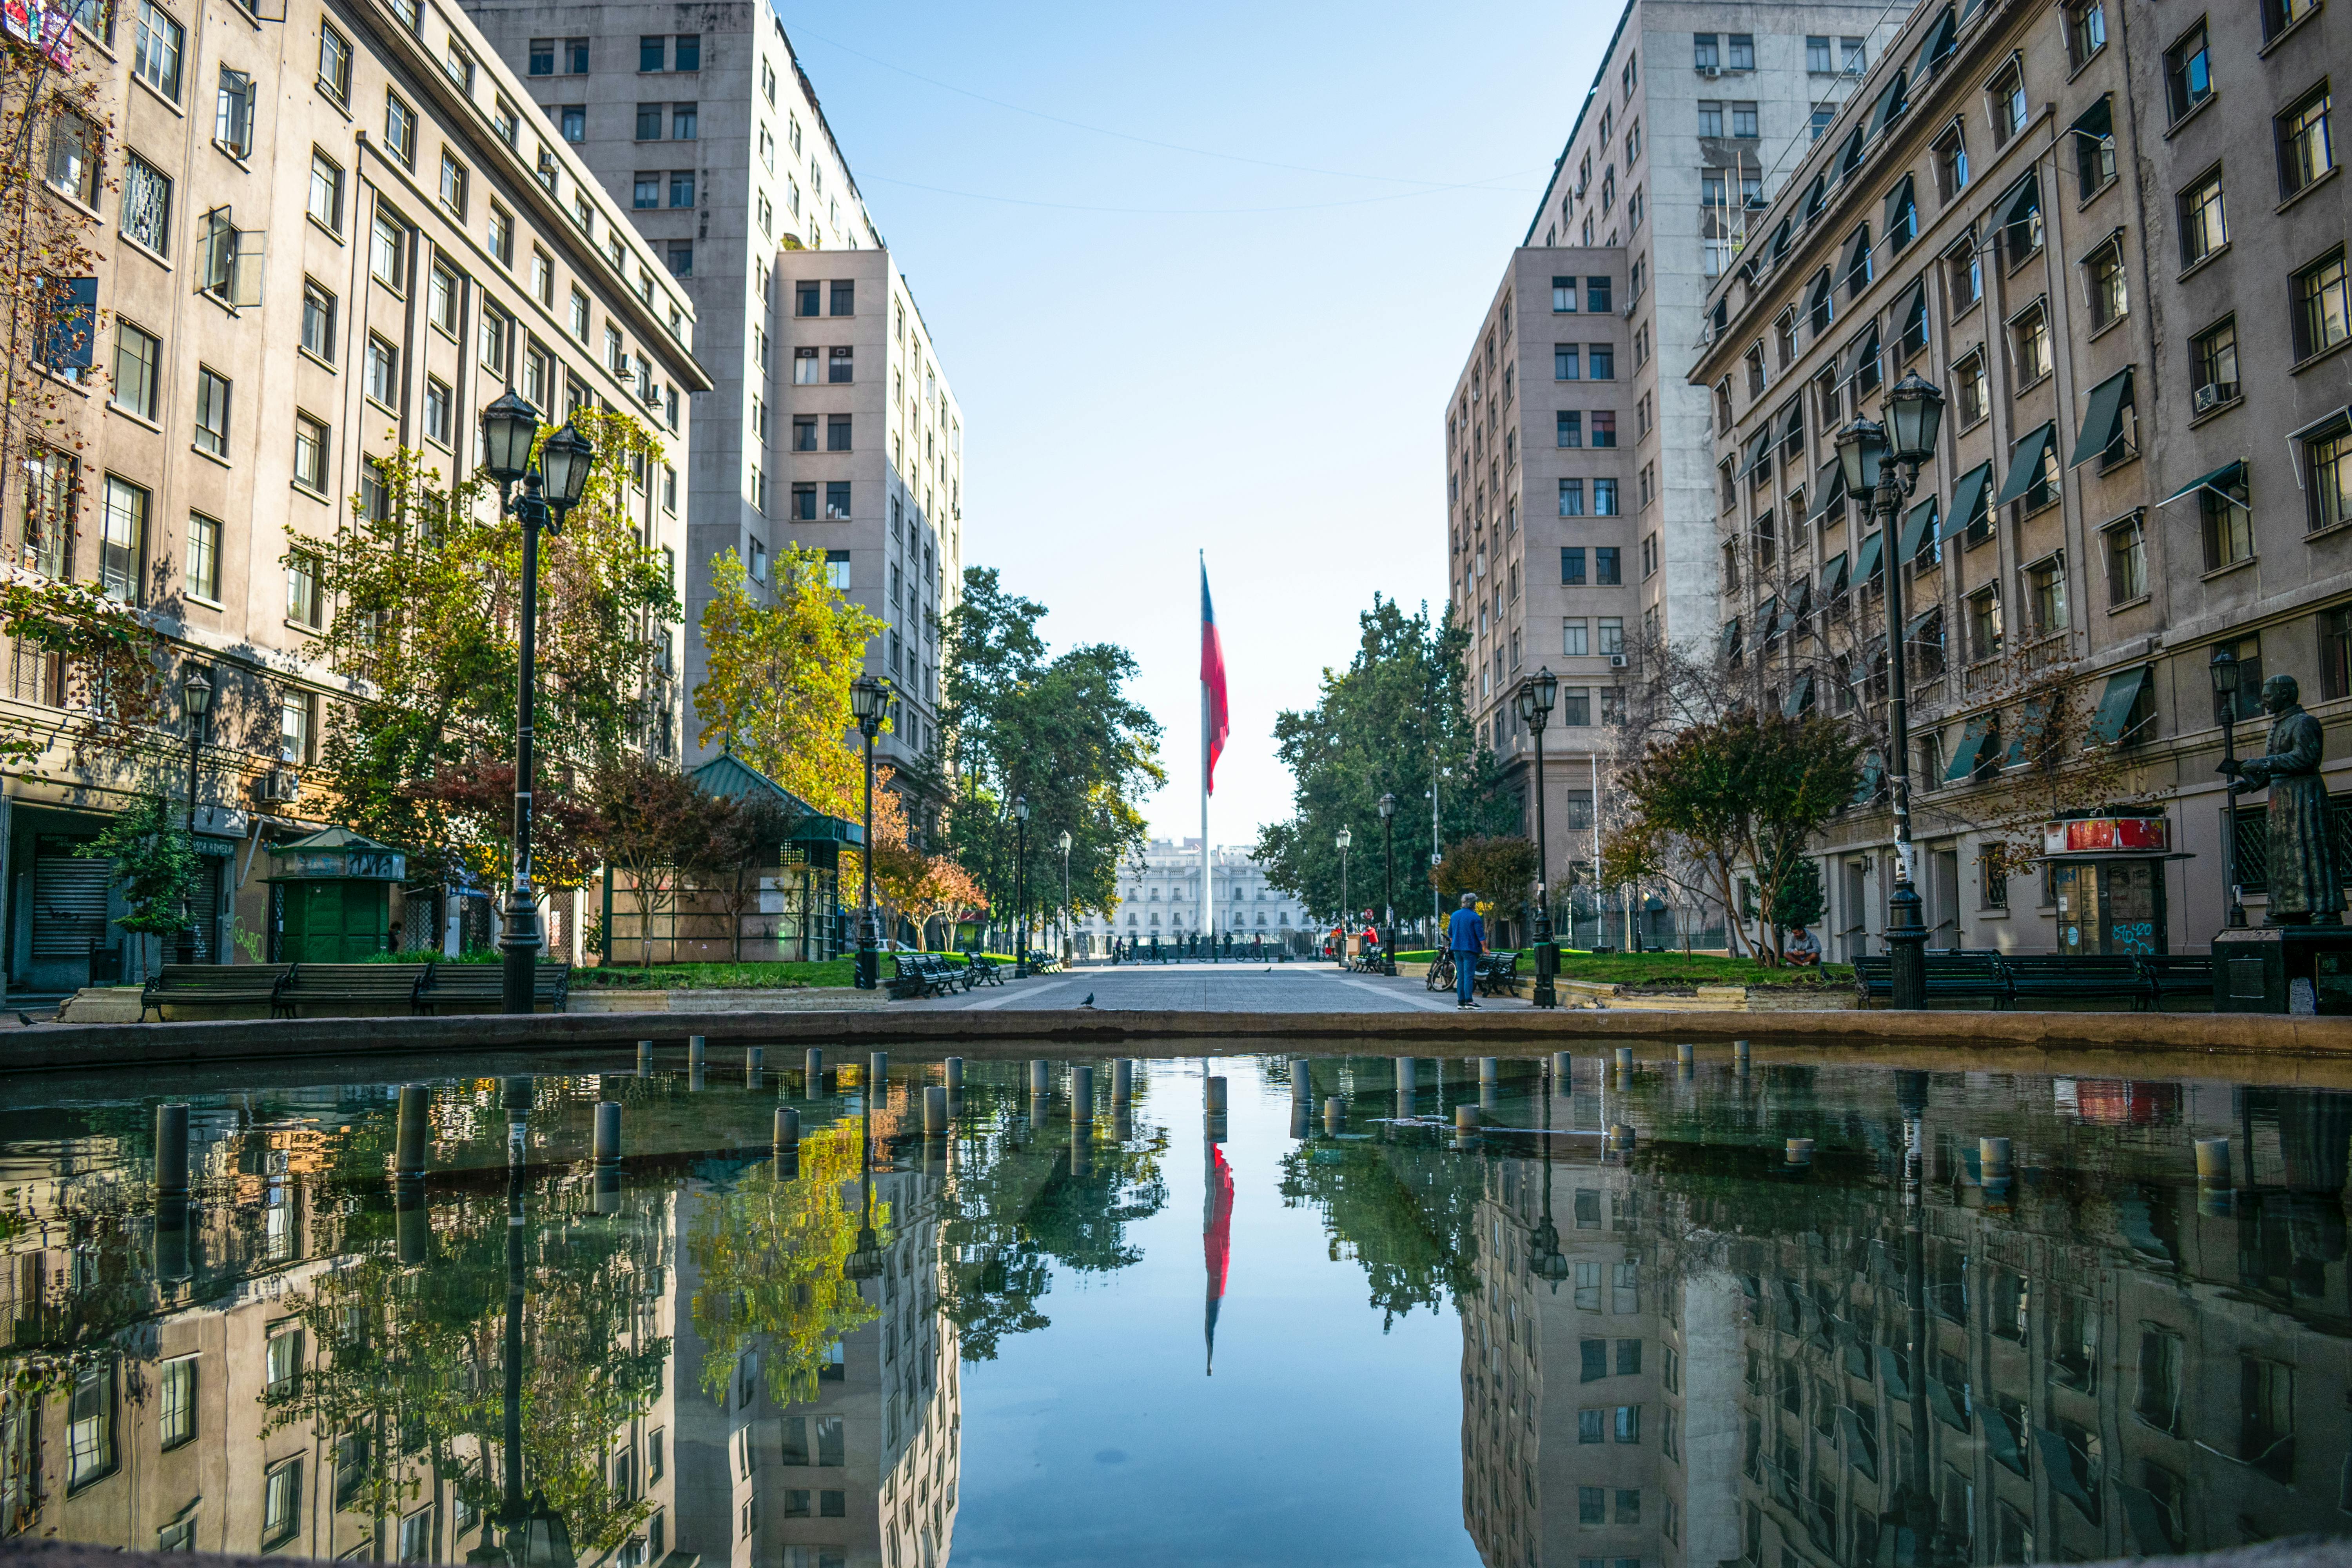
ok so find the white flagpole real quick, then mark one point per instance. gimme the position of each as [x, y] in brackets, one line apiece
[1205, 934]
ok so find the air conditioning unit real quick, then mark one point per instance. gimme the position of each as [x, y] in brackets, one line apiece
[278, 786]
[2209, 397]
[1710, 72]
[1616, 661]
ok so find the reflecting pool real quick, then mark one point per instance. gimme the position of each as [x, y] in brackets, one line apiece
[1672, 1314]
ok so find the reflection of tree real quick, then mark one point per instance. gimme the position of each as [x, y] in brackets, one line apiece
[771, 1252]
[407, 1360]
[1017, 1206]
[1406, 1211]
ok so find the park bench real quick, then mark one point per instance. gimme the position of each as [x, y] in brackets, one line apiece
[1049, 965]
[2186, 974]
[212, 985]
[982, 970]
[2089, 977]
[331, 985]
[482, 988]
[1498, 973]
[922, 975]
[1951, 976]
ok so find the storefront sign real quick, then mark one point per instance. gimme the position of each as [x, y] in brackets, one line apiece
[2108, 834]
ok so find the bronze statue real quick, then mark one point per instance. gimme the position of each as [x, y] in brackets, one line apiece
[2304, 888]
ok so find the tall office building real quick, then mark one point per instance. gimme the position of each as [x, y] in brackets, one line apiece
[1605, 546]
[830, 424]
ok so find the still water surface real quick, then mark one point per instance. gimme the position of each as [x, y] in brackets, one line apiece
[1146, 1333]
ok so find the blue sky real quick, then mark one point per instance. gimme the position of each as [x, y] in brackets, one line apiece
[1243, 348]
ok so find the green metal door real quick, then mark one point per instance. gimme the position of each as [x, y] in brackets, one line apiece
[336, 922]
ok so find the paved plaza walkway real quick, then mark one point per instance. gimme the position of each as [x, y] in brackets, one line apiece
[1296, 987]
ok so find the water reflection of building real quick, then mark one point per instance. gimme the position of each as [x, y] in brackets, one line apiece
[865, 1474]
[2093, 1363]
[1593, 1429]
[276, 1377]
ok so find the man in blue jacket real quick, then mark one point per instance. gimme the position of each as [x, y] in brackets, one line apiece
[1466, 935]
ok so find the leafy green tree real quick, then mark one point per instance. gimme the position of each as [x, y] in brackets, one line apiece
[1392, 722]
[1061, 731]
[1407, 1215]
[1743, 795]
[155, 864]
[1499, 872]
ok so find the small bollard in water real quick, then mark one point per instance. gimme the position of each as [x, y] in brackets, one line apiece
[1621, 1137]
[1624, 1058]
[1041, 1077]
[1490, 1070]
[1404, 1077]
[1468, 1117]
[812, 1074]
[755, 1057]
[1302, 1082]
[1082, 1094]
[1992, 1159]
[608, 1132]
[1739, 1054]
[1302, 1119]
[2213, 1162]
[171, 1151]
[1685, 1054]
[644, 1058]
[415, 1105]
[1334, 1115]
[935, 1110]
[955, 1072]
[788, 1129]
[1798, 1153]
[878, 1076]
[1562, 1070]
[1122, 1079]
[1215, 1096]
[697, 1048]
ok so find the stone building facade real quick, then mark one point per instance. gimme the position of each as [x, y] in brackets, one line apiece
[2133, 299]
[1160, 895]
[325, 237]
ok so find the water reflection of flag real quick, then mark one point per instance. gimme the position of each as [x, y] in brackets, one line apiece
[1216, 1237]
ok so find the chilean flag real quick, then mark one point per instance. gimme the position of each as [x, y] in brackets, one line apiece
[1212, 686]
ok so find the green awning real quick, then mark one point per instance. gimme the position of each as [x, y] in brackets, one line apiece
[1892, 103]
[1890, 1370]
[1830, 488]
[2103, 417]
[1793, 606]
[1920, 622]
[1730, 636]
[1780, 238]
[1865, 562]
[1968, 495]
[1947, 1409]
[2150, 1538]
[2115, 705]
[1765, 615]
[1874, 771]
[1898, 199]
[2058, 1464]
[1816, 196]
[1793, 429]
[1970, 751]
[2098, 121]
[2021, 205]
[729, 776]
[1940, 41]
[1860, 1453]
[1834, 575]
[1918, 527]
[1857, 251]
[1799, 697]
[2000, 1442]
[1863, 351]
[2034, 718]
[2025, 461]
[1912, 313]
[1851, 154]
[2219, 481]
[1759, 449]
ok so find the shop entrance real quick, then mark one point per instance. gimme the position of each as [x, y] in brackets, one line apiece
[2111, 908]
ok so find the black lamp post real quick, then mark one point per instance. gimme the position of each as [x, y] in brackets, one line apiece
[509, 426]
[869, 704]
[1388, 884]
[1066, 895]
[1347, 917]
[1020, 886]
[1881, 461]
[1537, 692]
[1545, 1259]
[196, 693]
[2227, 675]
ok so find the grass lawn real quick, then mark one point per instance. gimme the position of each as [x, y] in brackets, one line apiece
[1675, 969]
[837, 973]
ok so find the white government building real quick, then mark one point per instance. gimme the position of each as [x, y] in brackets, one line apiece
[1160, 893]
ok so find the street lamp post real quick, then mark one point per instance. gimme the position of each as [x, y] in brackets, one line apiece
[1388, 884]
[1536, 694]
[548, 492]
[1066, 895]
[1883, 460]
[2226, 676]
[1020, 886]
[196, 694]
[1344, 839]
[869, 704]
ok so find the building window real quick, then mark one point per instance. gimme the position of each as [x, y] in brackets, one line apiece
[1743, 52]
[678, 256]
[334, 63]
[2104, 282]
[2215, 353]
[2028, 341]
[281, 1504]
[382, 371]
[204, 557]
[1606, 573]
[1563, 295]
[497, 331]
[1604, 498]
[804, 367]
[803, 503]
[2204, 228]
[138, 360]
[1817, 56]
[436, 409]
[682, 188]
[843, 297]
[837, 501]
[122, 540]
[2045, 589]
[388, 250]
[2009, 107]
[156, 59]
[836, 432]
[2086, 30]
[146, 205]
[305, 604]
[1952, 164]
[1571, 498]
[311, 442]
[1605, 427]
[2127, 560]
[1744, 124]
[90, 1427]
[2306, 151]
[2188, 72]
[683, 119]
[571, 122]
[233, 114]
[212, 411]
[2093, 137]
[400, 128]
[2226, 521]
[1964, 274]
[2327, 459]
[688, 57]
[1984, 623]
[841, 365]
[2322, 314]
[540, 57]
[1710, 117]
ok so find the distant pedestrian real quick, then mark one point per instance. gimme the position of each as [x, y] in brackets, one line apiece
[1465, 933]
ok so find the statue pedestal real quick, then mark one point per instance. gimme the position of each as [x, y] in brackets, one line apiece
[2283, 969]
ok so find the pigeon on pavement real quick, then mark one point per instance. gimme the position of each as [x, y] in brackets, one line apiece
[1090, 1001]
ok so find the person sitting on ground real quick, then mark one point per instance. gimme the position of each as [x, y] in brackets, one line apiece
[1802, 949]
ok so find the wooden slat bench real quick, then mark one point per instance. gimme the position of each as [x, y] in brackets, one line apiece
[330, 985]
[482, 988]
[212, 985]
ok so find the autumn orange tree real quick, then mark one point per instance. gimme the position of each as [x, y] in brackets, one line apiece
[919, 888]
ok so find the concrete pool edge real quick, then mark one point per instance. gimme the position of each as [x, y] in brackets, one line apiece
[82, 1048]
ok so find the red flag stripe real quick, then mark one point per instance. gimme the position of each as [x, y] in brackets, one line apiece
[1212, 677]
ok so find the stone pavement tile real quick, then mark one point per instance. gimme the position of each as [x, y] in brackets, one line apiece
[1204, 988]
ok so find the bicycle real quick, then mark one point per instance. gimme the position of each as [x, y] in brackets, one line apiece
[1441, 972]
